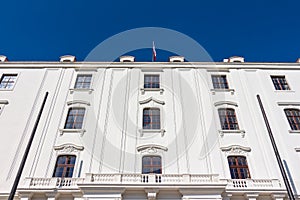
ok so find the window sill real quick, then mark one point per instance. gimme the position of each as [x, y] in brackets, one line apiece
[223, 132]
[143, 90]
[294, 131]
[9, 89]
[283, 91]
[81, 131]
[222, 90]
[161, 131]
[89, 90]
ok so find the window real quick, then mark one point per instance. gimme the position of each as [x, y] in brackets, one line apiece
[64, 166]
[293, 116]
[151, 164]
[151, 118]
[238, 167]
[8, 81]
[219, 81]
[151, 81]
[75, 118]
[83, 81]
[280, 83]
[228, 119]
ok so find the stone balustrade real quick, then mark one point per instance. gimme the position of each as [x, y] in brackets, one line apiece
[253, 183]
[173, 179]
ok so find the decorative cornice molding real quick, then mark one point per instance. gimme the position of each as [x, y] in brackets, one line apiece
[236, 149]
[151, 99]
[78, 102]
[288, 103]
[231, 103]
[68, 148]
[151, 148]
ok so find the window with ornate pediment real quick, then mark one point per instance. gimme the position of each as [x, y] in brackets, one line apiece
[75, 118]
[238, 167]
[64, 166]
[228, 119]
[151, 164]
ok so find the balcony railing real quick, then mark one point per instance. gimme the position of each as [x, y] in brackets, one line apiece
[151, 178]
[253, 183]
[52, 182]
[159, 179]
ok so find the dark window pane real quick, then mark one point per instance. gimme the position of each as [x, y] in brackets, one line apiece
[151, 81]
[280, 83]
[219, 81]
[64, 166]
[293, 116]
[75, 118]
[151, 118]
[151, 164]
[238, 167]
[83, 81]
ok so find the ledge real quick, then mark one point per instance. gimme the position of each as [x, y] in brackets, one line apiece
[4, 102]
[161, 131]
[222, 132]
[81, 131]
[143, 90]
[222, 90]
[289, 91]
[294, 131]
[89, 90]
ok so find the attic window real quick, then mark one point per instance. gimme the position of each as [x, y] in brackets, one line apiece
[3, 58]
[68, 58]
[176, 59]
[127, 59]
[235, 59]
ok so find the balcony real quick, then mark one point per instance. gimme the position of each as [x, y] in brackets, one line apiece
[153, 179]
[51, 183]
[243, 184]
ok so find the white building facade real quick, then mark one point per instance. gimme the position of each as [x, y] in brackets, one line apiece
[149, 130]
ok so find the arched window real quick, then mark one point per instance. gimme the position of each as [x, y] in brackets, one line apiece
[75, 118]
[151, 164]
[151, 118]
[228, 119]
[64, 166]
[293, 116]
[238, 167]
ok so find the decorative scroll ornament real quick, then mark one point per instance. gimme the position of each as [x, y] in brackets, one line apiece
[68, 148]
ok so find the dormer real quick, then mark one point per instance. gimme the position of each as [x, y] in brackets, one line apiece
[67, 58]
[176, 59]
[127, 59]
[235, 59]
[3, 58]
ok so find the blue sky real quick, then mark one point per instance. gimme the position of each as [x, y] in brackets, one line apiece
[44, 30]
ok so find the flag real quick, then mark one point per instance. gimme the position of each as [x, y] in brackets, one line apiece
[153, 52]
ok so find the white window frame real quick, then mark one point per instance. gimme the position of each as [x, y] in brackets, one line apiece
[75, 104]
[232, 105]
[9, 73]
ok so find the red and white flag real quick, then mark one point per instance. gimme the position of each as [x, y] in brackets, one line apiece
[153, 52]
